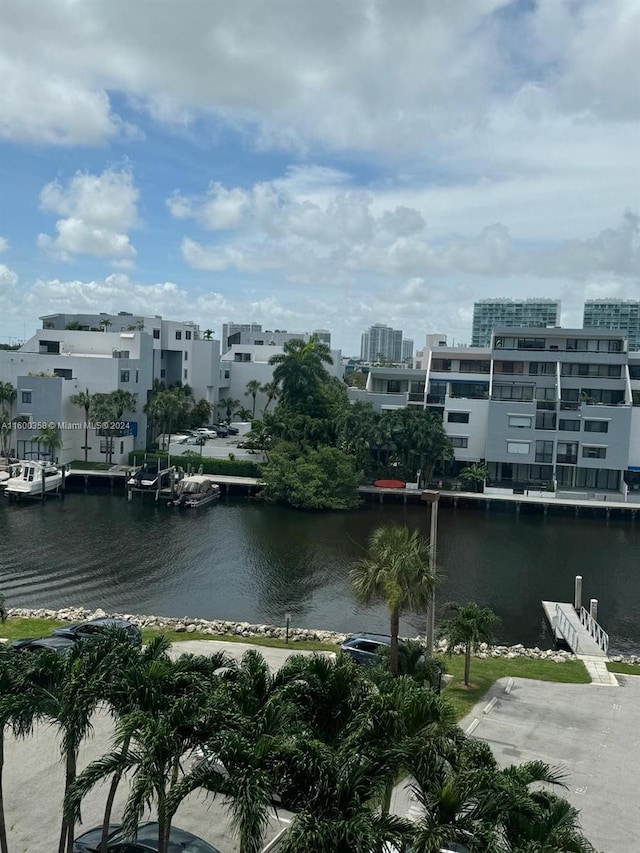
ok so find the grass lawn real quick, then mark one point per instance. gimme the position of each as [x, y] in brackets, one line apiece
[484, 672]
[80, 465]
[624, 668]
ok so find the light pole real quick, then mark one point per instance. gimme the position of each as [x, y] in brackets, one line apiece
[432, 497]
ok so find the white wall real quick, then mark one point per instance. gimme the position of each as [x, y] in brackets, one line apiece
[475, 430]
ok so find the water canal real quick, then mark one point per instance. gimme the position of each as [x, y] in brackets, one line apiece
[242, 560]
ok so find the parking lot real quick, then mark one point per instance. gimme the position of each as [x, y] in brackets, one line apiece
[590, 731]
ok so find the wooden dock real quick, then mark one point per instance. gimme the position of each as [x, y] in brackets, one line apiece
[578, 630]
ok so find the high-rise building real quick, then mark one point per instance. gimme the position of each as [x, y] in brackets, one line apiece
[380, 341]
[407, 350]
[489, 313]
[323, 335]
[623, 314]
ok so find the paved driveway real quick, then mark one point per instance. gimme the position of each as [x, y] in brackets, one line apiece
[591, 731]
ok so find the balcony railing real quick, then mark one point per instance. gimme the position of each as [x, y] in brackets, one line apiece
[569, 406]
[436, 399]
[567, 459]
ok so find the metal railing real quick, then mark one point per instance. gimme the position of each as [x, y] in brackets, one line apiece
[596, 631]
[564, 626]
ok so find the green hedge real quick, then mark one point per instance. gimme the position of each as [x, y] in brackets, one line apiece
[230, 467]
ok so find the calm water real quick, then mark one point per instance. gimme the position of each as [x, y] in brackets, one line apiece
[240, 560]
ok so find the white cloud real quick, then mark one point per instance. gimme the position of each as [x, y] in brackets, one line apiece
[4, 244]
[8, 278]
[98, 211]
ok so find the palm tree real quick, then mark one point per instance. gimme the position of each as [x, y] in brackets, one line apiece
[299, 369]
[3, 609]
[106, 324]
[469, 625]
[271, 390]
[49, 438]
[8, 396]
[474, 476]
[396, 572]
[253, 386]
[243, 414]
[207, 334]
[84, 399]
[228, 405]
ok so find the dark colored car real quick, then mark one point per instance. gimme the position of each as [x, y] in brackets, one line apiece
[228, 430]
[94, 629]
[180, 841]
[55, 644]
[366, 648]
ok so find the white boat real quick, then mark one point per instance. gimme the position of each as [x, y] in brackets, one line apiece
[195, 490]
[32, 478]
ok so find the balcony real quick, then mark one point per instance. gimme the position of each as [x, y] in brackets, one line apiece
[567, 458]
[435, 399]
[417, 397]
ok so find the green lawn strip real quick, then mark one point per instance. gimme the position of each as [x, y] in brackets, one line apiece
[272, 642]
[18, 629]
[624, 668]
[485, 671]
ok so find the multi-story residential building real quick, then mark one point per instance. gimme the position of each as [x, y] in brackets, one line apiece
[553, 407]
[180, 353]
[231, 329]
[380, 341]
[621, 314]
[431, 342]
[323, 335]
[407, 351]
[490, 313]
[103, 353]
[275, 338]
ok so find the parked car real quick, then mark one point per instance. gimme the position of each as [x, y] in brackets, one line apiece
[94, 629]
[205, 432]
[232, 430]
[180, 841]
[198, 440]
[366, 648]
[52, 644]
[221, 429]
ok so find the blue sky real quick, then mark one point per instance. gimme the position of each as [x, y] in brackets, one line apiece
[311, 165]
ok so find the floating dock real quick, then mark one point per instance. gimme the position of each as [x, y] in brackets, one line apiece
[578, 629]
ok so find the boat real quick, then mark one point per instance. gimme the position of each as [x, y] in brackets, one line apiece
[8, 469]
[195, 490]
[33, 478]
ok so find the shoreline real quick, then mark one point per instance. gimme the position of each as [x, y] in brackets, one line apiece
[246, 630]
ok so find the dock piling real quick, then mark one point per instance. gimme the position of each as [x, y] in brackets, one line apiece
[577, 595]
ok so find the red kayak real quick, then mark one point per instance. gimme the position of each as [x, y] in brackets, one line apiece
[389, 484]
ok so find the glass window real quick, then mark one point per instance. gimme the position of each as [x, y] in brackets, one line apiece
[26, 396]
[441, 364]
[186, 356]
[187, 335]
[521, 447]
[508, 366]
[185, 374]
[178, 336]
[530, 343]
[545, 420]
[458, 417]
[567, 452]
[567, 425]
[458, 441]
[596, 426]
[545, 393]
[156, 334]
[520, 421]
[124, 376]
[163, 373]
[544, 452]
[594, 452]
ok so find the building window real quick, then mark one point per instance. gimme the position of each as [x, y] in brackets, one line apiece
[513, 392]
[242, 356]
[508, 367]
[567, 452]
[596, 426]
[520, 421]
[394, 386]
[186, 356]
[458, 441]
[63, 372]
[441, 364]
[186, 374]
[124, 376]
[530, 343]
[178, 336]
[594, 452]
[26, 396]
[542, 367]
[544, 452]
[458, 417]
[567, 425]
[137, 376]
[156, 334]
[122, 447]
[545, 420]
[163, 373]
[577, 344]
[519, 447]
[187, 336]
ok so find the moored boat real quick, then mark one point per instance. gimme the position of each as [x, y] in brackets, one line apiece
[33, 478]
[194, 491]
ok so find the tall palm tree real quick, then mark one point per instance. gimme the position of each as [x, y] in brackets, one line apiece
[252, 388]
[207, 334]
[469, 625]
[271, 390]
[84, 399]
[299, 369]
[396, 572]
[106, 324]
[8, 396]
[228, 405]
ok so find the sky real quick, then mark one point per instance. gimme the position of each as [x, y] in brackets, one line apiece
[312, 165]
